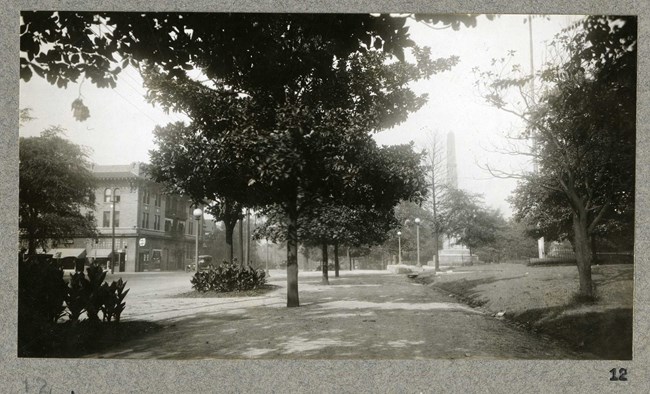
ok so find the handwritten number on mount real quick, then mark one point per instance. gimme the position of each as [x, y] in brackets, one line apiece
[622, 375]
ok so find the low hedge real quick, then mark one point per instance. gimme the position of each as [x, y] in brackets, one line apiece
[228, 277]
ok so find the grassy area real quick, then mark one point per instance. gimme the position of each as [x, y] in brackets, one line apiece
[542, 299]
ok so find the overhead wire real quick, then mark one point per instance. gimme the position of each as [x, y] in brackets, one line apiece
[139, 95]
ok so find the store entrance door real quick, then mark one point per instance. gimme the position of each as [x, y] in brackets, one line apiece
[143, 260]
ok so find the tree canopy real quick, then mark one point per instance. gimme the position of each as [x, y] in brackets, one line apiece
[62, 46]
[467, 220]
[299, 143]
[56, 186]
[583, 125]
[288, 100]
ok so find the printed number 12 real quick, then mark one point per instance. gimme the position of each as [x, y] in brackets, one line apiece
[622, 374]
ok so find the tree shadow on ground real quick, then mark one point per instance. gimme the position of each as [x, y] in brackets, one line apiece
[605, 278]
[607, 334]
[333, 330]
[397, 320]
[70, 340]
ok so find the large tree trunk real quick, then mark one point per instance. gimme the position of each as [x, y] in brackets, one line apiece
[324, 267]
[336, 260]
[583, 252]
[230, 229]
[292, 259]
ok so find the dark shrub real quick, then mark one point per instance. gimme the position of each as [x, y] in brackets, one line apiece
[93, 295]
[228, 277]
[41, 292]
[113, 304]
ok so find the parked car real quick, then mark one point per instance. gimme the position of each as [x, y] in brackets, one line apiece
[205, 263]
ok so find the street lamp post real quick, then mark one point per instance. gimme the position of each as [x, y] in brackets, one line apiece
[399, 247]
[417, 237]
[197, 213]
[113, 201]
[267, 256]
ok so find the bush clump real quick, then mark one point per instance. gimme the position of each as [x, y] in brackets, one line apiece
[44, 298]
[94, 295]
[227, 278]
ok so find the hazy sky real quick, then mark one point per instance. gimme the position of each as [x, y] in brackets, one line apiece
[119, 130]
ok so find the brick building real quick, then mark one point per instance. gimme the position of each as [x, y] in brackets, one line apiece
[152, 230]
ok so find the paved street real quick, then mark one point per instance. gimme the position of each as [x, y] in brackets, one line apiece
[363, 314]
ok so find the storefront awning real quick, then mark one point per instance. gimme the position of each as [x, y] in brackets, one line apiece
[100, 253]
[67, 252]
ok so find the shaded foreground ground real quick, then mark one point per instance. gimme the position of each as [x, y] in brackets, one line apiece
[361, 315]
[541, 299]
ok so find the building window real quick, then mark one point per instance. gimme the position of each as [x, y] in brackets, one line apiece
[107, 195]
[158, 199]
[145, 220]
[116, 219]
[106, 222]
[190, 227]
[168, 224]
[181, 226]
[145, 196]
[117, 195]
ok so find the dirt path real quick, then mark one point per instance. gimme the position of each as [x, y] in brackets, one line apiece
[358, 316]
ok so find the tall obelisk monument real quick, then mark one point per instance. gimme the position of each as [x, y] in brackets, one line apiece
[453, 253]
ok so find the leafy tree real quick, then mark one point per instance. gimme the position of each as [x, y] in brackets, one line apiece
[297, 152]
[344, 225]
[584, 128]
[544, 212]
[25, 115]
[357, 216]
[290, 96]
[512, 243]
[181, 162]
[215, 245]
[63, 46]
[468, 221]
[56, 186]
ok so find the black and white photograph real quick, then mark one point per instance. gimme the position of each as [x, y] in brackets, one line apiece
[341, 186]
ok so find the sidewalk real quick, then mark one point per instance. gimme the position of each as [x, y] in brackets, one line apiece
[361, 315]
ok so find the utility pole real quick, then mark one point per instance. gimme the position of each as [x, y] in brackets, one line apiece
[540, 241]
